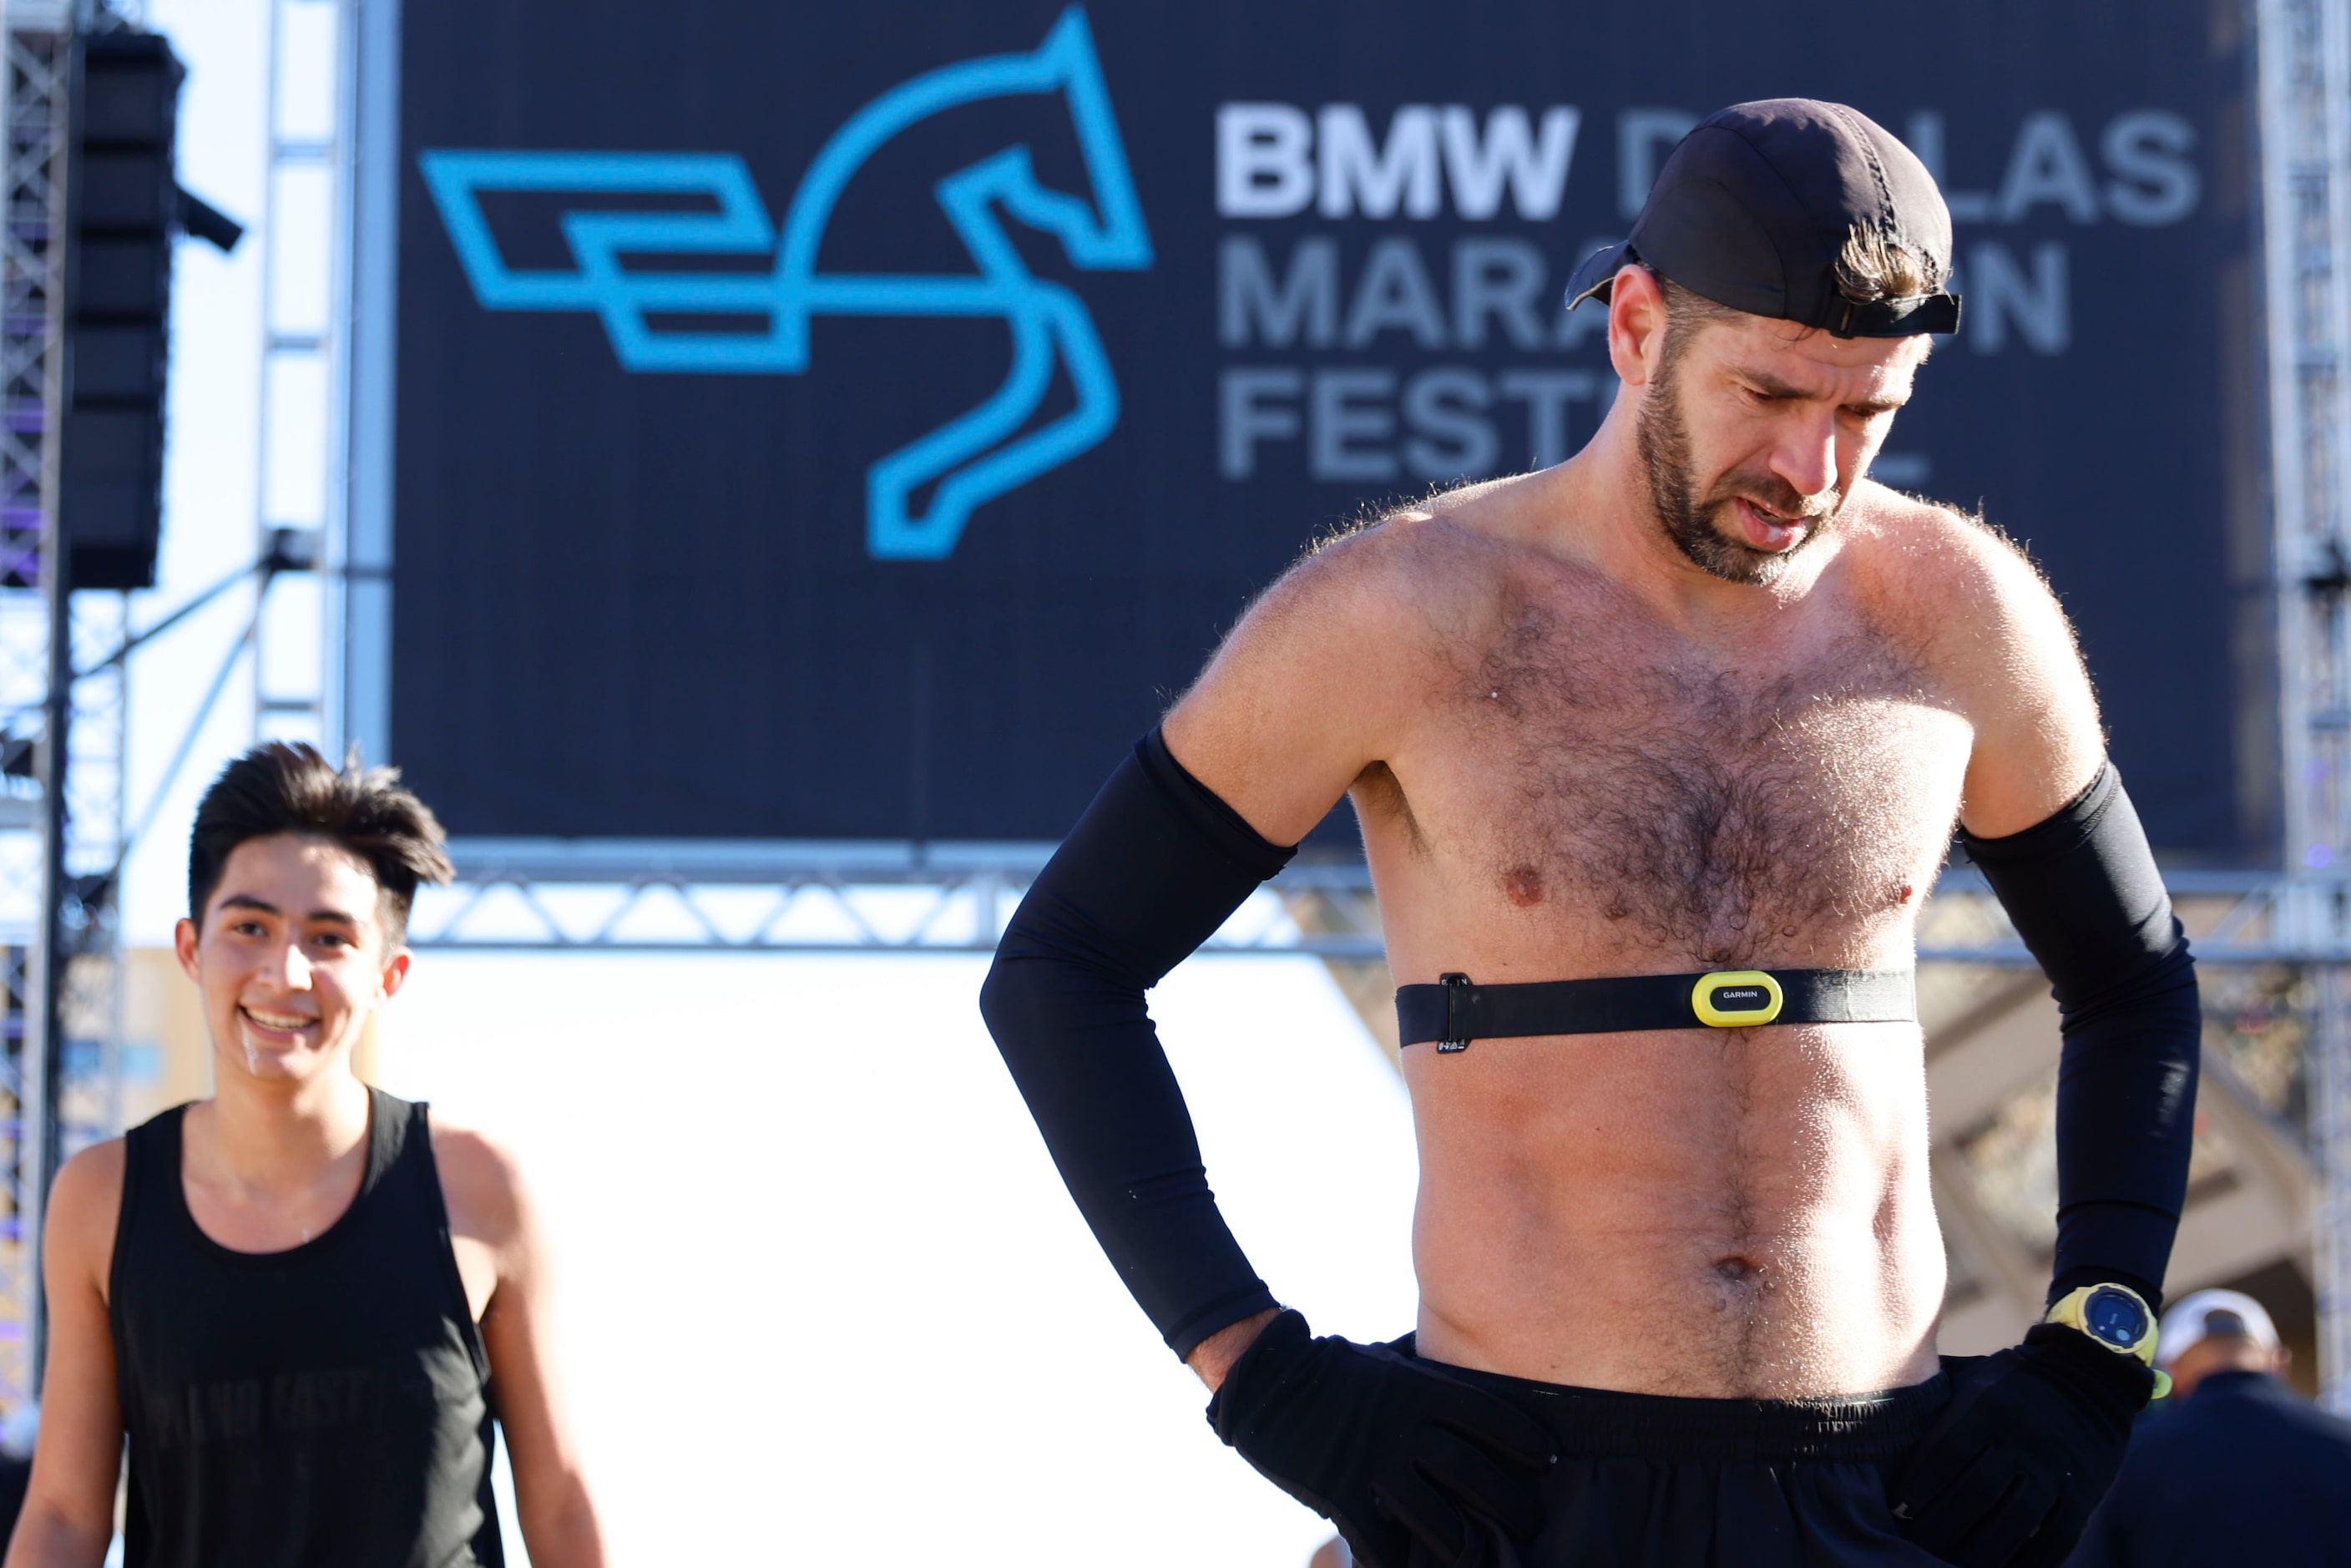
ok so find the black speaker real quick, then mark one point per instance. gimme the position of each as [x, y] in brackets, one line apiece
[121, 207]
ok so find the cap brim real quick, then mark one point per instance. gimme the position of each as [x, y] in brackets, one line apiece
[1598, 271]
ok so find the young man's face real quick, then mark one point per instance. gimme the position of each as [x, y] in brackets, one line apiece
[291, 956]
[1755, 431]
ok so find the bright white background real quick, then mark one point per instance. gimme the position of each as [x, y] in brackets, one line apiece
[824, 1298]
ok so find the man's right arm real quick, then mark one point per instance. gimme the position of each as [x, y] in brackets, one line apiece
[1182, 833]
[1409, 1463]
[68, 1516]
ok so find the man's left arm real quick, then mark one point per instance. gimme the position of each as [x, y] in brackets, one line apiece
[2046, 819]
[2083, 891]
[2033, 1435]
[490, 1205]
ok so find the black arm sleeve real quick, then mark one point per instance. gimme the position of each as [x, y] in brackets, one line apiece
[1153, 868]
[2083, 891]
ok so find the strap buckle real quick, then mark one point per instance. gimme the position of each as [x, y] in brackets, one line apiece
[1457, 1027]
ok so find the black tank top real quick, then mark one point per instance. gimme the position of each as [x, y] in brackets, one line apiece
[325, 1406]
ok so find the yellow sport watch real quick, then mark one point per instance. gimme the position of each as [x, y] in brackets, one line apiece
[2116, 1317]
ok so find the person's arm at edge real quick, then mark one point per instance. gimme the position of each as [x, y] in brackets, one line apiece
[488, 1197]
[68, 1515]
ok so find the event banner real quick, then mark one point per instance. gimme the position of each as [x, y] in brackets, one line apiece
[861, 422]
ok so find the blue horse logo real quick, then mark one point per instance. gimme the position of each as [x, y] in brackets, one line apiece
[976, 456]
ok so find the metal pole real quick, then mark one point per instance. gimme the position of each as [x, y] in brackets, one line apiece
[45, 1020]
[2330, 1138]
[2305, 141]
[43, 1061]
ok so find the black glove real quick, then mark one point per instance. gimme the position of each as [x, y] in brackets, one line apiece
[2008, 1474]
[1393, 1452]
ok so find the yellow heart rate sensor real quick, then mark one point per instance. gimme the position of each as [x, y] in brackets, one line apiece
[1735, 999]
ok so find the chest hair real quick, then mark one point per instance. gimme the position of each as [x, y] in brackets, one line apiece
[1727, 815]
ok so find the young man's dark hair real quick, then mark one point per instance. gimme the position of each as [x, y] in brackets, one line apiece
[286, 787]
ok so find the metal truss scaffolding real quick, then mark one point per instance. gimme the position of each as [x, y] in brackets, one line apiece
[2305, 126]
[562, 896]
[30, 314]
[304, 236]
[32, 111]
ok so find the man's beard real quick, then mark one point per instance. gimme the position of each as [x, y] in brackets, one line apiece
[1689, 517]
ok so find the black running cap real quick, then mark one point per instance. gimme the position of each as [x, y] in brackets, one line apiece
[1754, 206]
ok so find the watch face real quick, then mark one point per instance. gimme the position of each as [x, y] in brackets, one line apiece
[2114, 1318]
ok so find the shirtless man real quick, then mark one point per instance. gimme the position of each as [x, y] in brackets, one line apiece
[1688, 719]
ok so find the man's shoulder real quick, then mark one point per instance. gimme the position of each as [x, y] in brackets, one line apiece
[1932, 534]
[2271, 1403]
[85, 1204]
[95, 1173]
[1451, 547]
[480, 1174]
[1940, 561]
[2255, 1424]
[1444, 532]
[479, 1155]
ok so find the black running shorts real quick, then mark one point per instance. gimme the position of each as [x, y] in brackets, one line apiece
[1646, 1481]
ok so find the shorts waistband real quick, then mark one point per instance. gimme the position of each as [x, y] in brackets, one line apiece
[1851, 1429]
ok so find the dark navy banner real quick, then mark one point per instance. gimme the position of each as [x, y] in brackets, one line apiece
[859, 421]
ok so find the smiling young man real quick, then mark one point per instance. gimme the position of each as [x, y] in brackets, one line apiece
[1655, 753]
[293, 1297]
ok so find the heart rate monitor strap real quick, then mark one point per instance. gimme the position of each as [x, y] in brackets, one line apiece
[1153, 868]
[2083, 890]
[1460, 1010]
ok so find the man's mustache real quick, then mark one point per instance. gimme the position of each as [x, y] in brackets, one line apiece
[1768, 490]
